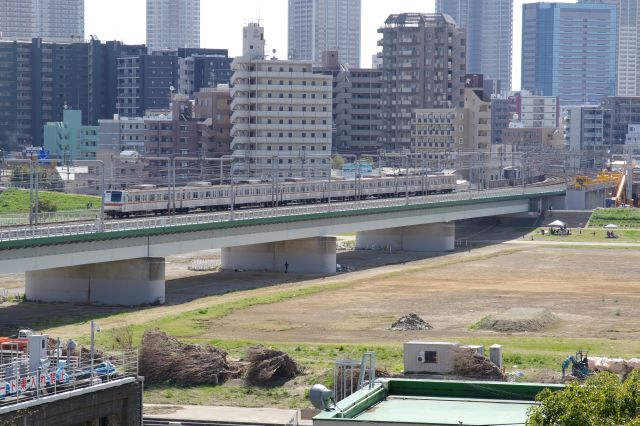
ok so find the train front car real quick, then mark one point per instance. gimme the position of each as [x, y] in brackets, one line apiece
[113, 203]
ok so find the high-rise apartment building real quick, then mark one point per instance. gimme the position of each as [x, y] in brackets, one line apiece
[489, 26]
[316, 26]
[39, 79]
[281, 115]
[145, 82]
[172, 24]
[569, 51]
[629, 48]
[356, 105]
[423, 66]
[51, 20]
[201, 71]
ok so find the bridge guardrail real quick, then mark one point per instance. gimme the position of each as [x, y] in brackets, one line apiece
[44, 231]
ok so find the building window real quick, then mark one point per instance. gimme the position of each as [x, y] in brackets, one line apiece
[430, 357]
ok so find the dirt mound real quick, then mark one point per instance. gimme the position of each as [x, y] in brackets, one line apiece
[469, 363]
[411, 322]
[269, 367]
[519, 320]
[164, 359]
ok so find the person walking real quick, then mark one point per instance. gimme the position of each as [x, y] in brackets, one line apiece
[286, 266]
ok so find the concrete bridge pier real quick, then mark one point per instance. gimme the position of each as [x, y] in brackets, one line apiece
[434, 237]
[121, 283]
[315, 255]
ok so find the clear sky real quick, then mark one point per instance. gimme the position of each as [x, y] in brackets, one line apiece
[222, 21]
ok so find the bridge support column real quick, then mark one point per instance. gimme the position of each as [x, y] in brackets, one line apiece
[122, 283]
[434, 237]
[308, 256]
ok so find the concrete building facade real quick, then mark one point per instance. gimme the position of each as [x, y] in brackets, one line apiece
[538, 111]
[441, 133]
[569, 51]
[172, 24]
[69, 140]
[424, 66]
[213, 111]
[281, 115]
[356, 105]
[489, 26]
[633, 137]
[316, 26]
[145, 82]
[584, 127]
[620, 112]
[51, 20]
[197, 72]
[502, 110]
[39, 78]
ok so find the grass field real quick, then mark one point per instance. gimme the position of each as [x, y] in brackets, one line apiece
[624, 218]
[587, 235]
[17, 201]
[538, 357]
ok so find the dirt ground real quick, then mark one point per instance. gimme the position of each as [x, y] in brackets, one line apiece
[592, 290]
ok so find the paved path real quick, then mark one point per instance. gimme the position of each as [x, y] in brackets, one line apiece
[222, 414]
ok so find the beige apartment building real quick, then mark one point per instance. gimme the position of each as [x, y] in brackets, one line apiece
[281, 115]
[440, 132]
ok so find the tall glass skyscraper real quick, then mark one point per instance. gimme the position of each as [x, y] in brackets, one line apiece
[569, 51]
[172, 24]
[319, 25]
[489, 25]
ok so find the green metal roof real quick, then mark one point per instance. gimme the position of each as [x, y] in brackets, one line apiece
[436, 402]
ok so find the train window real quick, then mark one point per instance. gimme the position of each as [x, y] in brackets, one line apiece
[136, 198]
[165, 197]
[246, 192]
[195, 195]
[116, 196]
[208, 194]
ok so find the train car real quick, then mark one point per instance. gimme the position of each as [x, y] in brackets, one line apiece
[145, 201]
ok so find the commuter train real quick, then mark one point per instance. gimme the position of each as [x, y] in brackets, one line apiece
[206, 197]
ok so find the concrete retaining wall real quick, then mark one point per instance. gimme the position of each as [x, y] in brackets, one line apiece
[115, 406]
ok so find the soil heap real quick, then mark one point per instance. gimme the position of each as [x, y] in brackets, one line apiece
[470, 364]
[519, 320]
[411, 322]
[165, 360]
[269, 367]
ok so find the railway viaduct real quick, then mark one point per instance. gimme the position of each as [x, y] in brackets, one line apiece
[122, 262]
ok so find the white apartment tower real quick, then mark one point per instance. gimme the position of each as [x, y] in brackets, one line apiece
[316, 26]
[172, 24]
[280, 115]
[52, 20]
[628, 48]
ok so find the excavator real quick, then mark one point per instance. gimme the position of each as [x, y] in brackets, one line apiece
[579, 365]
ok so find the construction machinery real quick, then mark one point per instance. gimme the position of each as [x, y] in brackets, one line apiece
[579, 365]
